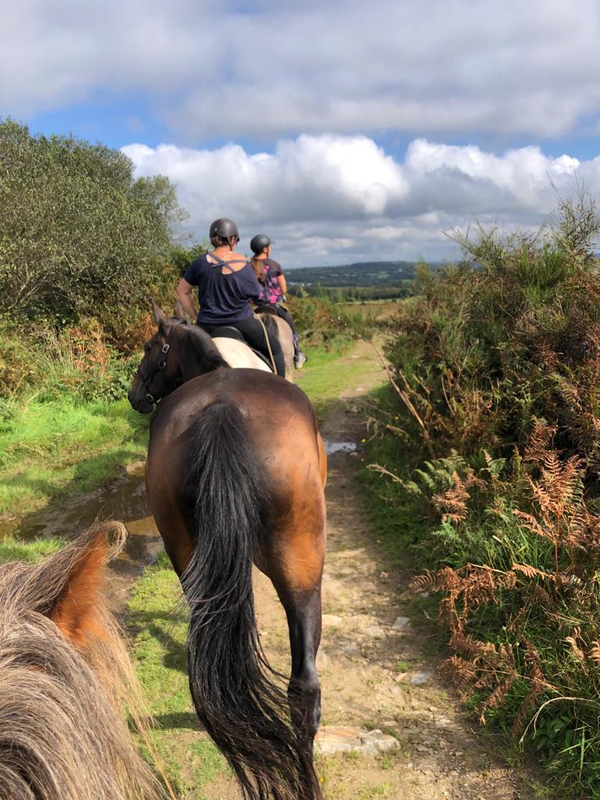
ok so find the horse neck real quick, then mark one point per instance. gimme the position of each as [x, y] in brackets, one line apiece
[195, 356]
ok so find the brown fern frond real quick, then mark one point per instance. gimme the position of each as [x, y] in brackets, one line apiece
[594, 653]
[532, 572]
[468, 646]
[527, 707]
[496, 698]
[461, 672]
[543, 596]
[576, 651]
[427, 582]
[530, 522]
[509, 580]
[453, 503]
[538, 444]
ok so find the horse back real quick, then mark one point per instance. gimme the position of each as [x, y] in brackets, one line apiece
[282, 431]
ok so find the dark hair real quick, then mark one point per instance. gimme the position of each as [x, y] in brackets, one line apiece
[221, 241]
[258, 265]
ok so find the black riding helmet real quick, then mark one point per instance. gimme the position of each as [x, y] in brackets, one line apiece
[259, 242]
[223, 228]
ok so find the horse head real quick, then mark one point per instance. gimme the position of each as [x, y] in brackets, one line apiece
[66, 681]
[160, 370]
[177, 352]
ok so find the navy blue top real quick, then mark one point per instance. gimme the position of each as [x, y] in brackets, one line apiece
[223, 297]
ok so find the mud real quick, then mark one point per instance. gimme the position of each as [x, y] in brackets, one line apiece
[123, 499]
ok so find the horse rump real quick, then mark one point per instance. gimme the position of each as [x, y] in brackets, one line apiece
[237, 696]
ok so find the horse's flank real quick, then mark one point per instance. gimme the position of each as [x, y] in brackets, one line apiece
[66, 683]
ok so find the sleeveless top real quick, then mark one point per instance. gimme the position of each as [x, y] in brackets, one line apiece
[223, 297]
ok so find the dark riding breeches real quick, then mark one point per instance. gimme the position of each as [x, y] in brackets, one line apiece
[254, 333]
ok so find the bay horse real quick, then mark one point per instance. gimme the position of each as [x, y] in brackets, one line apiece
[235, 475]
[65, 681]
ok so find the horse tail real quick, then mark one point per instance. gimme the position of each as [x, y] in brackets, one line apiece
[236, 694]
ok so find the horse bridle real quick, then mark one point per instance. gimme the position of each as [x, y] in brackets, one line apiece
[147, 379]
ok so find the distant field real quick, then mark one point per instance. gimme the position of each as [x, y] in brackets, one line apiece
[368, 274]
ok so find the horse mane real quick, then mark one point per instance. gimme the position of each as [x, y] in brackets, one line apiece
[202, 344]
[63, 729]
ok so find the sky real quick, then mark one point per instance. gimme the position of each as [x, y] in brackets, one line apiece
[345, 130]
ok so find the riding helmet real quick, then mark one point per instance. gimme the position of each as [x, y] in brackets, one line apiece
[259, 242]
[223, 227]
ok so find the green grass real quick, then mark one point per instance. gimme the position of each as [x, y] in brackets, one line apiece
[328, 372]
[63, 447]
[158, 620]
[12, 549]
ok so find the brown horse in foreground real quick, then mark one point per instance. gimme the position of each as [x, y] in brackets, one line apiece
[66, 681]
[235, 476]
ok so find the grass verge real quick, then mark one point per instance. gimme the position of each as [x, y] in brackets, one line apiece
[64, 447]
[158, 621]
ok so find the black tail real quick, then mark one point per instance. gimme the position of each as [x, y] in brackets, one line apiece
[236, 696]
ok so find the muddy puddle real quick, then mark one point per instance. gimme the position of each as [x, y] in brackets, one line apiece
[123, 499]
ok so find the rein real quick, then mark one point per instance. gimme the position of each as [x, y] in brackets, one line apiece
[147, 379]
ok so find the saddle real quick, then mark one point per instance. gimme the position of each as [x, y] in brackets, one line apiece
[229, 332]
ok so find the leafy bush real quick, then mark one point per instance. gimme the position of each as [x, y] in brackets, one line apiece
[78, 235]
[77, 360]
[488, 451]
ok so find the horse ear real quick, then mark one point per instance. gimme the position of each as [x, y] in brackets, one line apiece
[178, 311]
[75, 608]
[159, 315]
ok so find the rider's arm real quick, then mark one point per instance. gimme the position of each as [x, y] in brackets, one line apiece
[184, 293]
[282, 283]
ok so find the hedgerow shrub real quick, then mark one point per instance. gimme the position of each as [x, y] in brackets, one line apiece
[79, 236]
[488, 452]
[76, 360]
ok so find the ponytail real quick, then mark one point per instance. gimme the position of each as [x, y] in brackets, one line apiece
[258, 265]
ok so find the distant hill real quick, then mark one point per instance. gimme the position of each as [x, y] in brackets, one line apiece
[367, 273]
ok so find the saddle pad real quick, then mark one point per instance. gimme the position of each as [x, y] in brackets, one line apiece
[229, 332]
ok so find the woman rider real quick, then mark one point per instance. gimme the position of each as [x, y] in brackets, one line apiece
[226, 283]
[273, 286]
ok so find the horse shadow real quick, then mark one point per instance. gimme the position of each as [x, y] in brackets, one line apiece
[153, 623]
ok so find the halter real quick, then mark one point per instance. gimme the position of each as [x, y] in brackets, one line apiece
[147, 379]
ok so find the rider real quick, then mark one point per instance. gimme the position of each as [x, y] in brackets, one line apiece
[226, 283]
[273, 286]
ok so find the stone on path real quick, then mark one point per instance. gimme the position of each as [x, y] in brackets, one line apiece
[331, 619]
[421, 678]
[340, 739]
[400, 623]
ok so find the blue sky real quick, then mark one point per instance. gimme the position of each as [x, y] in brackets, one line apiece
[345, 130]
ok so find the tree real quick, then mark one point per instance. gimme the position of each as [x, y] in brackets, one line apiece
[78, 233]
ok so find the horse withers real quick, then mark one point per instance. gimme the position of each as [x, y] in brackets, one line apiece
[65, 679]
[235, 475]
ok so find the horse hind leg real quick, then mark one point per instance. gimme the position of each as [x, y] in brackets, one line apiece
[303, 611]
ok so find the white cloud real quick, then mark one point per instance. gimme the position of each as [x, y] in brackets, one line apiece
[330, 199]
[269, 68]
